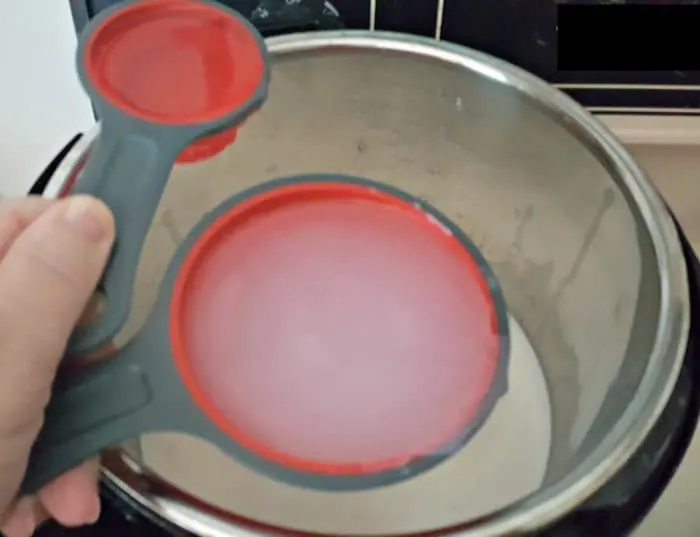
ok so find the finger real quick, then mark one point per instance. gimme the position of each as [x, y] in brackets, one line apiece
[26, 520]
[73, 499]
[16, 214]
[46, 279]
[20, 519]
[41, 515]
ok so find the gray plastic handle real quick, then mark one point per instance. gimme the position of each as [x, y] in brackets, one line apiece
[120, 399]
[128, 170]
[99, 407]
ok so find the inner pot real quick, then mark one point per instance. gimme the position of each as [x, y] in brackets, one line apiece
[583, 247]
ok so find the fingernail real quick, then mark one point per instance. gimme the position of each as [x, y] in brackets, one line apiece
[88, 216]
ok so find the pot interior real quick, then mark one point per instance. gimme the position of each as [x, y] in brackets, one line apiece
[550, 213]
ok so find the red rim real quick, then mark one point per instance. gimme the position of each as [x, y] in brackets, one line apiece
[207, 147]
[174, 61]
[261, 204]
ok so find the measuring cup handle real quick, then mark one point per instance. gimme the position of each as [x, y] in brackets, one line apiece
[89, 411]
[129, 173]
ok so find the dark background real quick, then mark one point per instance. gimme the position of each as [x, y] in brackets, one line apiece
[523, 32]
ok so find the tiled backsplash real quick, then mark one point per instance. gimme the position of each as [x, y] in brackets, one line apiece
[520, 31]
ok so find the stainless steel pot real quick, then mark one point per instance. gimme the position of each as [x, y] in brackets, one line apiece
[584, 248]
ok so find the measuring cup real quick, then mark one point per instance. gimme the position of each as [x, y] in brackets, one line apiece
[168, 79]
[328, 331]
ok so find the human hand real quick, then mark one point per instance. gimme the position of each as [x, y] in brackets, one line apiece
[52, 254]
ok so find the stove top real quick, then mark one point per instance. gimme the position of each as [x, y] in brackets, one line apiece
[522, 32]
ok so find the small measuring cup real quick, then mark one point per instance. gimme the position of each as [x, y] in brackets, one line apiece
[168, 79]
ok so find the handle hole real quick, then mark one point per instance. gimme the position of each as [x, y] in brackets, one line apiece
[94, 308]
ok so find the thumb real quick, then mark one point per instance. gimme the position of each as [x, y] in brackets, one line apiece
[46, 279]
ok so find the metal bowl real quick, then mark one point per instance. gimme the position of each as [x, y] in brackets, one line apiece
[585, 251]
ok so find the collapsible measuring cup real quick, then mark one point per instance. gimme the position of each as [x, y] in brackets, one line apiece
[168, 79]
[327, 331]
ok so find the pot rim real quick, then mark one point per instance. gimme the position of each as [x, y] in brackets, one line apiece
[155, 498]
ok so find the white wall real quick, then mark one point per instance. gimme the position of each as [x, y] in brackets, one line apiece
[42, 104]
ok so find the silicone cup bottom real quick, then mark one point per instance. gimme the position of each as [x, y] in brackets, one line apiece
[207, 147]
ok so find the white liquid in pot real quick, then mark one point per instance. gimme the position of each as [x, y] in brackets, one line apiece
[504, 462]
